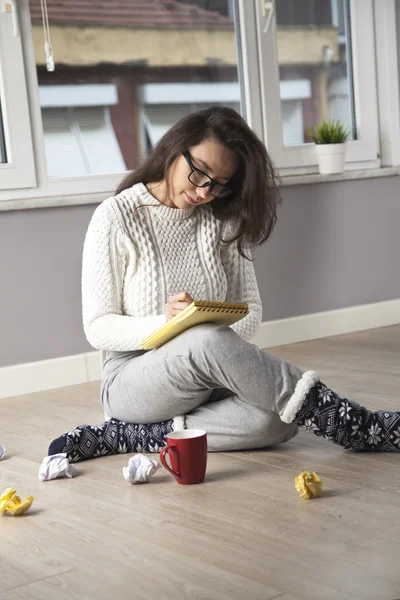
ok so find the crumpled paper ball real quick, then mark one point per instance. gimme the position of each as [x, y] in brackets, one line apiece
[140, 469]
[56, 465]
[3, 452]
[309, 485]
[11, 503]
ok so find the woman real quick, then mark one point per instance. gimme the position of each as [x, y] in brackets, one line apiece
[181, 227]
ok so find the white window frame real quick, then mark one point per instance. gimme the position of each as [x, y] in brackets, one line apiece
[366, 147]
[387, 40]
[372, 48]
[19, 170]
[45, 191]
[378, 119]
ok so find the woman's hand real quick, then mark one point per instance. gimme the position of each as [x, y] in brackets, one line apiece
[177, 303]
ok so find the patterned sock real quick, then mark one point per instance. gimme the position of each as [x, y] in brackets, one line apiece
[113, 437]
[348, 424]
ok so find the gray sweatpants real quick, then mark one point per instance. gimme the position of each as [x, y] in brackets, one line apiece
[212, 377]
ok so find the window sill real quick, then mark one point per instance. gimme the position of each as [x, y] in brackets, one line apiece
[345, 176]
[73, 199]
[55, 201]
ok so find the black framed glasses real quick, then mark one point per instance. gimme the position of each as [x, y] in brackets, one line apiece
[200, 179]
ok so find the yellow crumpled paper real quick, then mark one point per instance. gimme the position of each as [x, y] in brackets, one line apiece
[11, 503]
[308, 485]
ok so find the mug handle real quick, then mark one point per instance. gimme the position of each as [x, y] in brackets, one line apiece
[163, 459]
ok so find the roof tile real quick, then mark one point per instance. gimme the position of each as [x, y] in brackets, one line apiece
[152, 14]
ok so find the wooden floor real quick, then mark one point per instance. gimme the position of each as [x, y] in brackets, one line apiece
[243, 534]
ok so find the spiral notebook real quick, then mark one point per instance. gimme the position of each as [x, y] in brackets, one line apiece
[199, 311]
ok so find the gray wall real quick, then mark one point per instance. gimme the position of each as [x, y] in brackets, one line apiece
[40, 269]
[335, 245]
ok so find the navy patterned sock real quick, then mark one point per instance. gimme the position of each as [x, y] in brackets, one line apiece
[113, 437]
[348, 424]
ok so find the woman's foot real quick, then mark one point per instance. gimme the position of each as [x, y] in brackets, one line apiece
[348, 424]
[113, 437]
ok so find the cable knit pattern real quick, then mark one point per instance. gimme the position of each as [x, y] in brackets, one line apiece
[182, 235]
[242, 287]
[132, 260]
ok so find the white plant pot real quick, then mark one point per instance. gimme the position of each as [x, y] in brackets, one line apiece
[330, 157]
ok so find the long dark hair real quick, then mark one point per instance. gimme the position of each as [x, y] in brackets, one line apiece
[252, 206]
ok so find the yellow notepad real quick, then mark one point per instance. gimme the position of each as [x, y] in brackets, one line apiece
[199, 311]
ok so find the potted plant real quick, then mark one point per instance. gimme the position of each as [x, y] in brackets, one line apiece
[330, 139]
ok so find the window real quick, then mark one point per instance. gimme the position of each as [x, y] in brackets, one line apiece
[16, 151]
[297, 13]
[126, 74]
[78, 134]
[316, 61]
[315, 64]
[127, 71]
[164, 104]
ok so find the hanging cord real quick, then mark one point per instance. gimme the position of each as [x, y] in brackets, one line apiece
[48, 48]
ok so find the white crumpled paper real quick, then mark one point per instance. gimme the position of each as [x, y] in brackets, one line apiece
[3, 452]
[140, 469]
[56, 466]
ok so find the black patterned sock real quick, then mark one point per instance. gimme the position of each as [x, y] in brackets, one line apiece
[113, 437]
[347, 423]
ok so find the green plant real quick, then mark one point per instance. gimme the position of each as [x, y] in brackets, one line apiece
[329, 132]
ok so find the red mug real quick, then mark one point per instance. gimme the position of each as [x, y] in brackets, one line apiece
[187, 451]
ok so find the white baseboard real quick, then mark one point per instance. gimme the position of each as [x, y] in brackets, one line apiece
[49, 374]
[81, 368]
[327, 324]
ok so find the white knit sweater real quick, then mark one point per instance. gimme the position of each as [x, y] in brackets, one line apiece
[133, 259]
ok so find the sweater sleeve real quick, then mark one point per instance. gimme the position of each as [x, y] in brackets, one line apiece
[103, 267]
[242, 287]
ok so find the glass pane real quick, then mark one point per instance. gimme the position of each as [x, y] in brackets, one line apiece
[125, 72]
[315, 70]
[3, 153]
